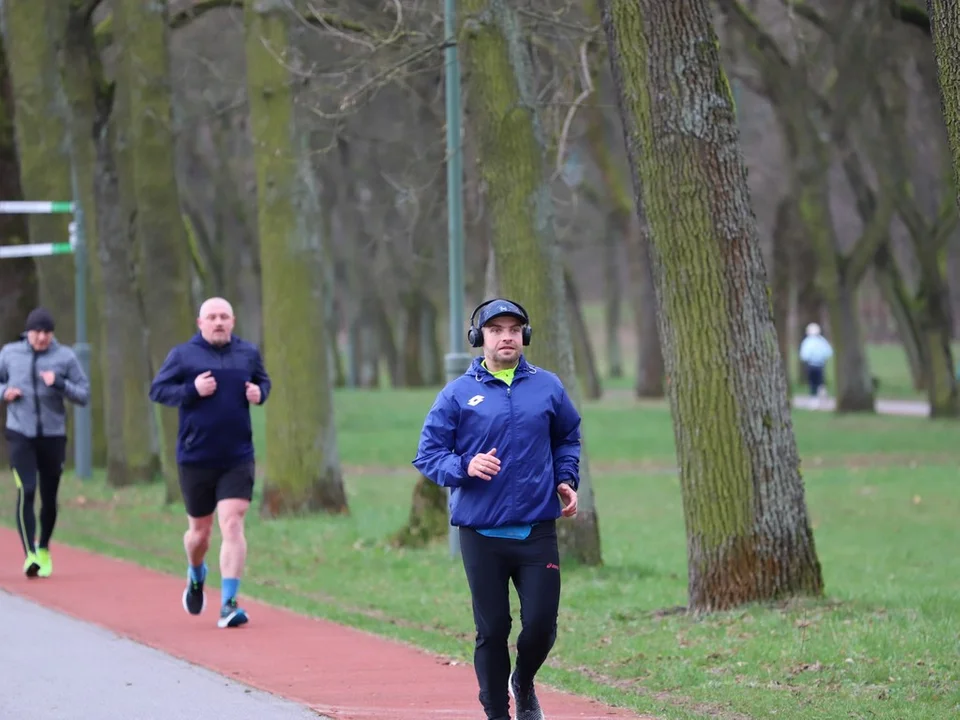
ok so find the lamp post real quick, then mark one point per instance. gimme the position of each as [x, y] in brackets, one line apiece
[457, 359]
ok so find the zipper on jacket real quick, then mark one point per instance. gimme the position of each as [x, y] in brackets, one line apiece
[510, 426]
[36, 393]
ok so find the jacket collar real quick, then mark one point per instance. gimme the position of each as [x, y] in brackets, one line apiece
[482, 374]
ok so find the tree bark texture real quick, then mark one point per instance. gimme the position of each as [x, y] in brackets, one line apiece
[18, 278]
[651, 375]
[303, 471]
[131, 456]
[784, 236]
[41, 133]
[511, 155]
[748, 533]
[163, 257]
[83, 84]
[945, 29]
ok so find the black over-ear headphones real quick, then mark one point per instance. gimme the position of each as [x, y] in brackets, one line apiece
[475, 334]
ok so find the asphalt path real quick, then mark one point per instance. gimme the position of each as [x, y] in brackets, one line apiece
[59, 668]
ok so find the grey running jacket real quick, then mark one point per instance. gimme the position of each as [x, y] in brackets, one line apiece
[40, 411]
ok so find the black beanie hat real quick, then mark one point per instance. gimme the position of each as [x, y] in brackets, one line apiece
[40, 319]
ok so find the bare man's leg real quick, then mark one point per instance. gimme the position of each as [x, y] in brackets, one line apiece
[233, 556]
[196, 542]
[233, 549]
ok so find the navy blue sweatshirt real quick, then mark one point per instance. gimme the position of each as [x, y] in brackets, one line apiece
[215, 431]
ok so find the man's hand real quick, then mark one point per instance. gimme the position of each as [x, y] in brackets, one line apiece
[11, 394]
[49, 377]
[568, 496]
[484, 465]
[206, 384]
[253, 393]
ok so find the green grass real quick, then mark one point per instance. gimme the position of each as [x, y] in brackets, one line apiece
[882, 492]
[884, 500]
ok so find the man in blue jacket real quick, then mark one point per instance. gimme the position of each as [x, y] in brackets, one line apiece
[505, 438]
[213, 379]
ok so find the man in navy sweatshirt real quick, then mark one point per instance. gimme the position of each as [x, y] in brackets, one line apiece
[212, 379]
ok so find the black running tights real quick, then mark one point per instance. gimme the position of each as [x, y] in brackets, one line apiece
[534, 566]
[37, 464]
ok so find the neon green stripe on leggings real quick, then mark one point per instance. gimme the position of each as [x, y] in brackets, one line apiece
[21, 508]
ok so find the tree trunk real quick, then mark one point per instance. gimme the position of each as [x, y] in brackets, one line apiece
[613, 301]
[18, 278]
[163, 262]
[511, 154]
[748, 533]
[945, 29]
[411, 338]
[132, 452]
[41, 134]
[809, 298]
[68, 29]
[784, 238]
[303, 471]
[584, 358]
[429, 518]
[650, 370]
[897, 298]
[934, 322]
[127, 447]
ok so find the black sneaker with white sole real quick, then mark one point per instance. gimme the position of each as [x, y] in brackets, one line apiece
[231, 615]
[193, 598]
[525, 700]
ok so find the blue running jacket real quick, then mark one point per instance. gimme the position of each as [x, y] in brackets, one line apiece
[535, 428]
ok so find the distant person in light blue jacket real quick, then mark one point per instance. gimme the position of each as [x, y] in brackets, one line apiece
[815, 351]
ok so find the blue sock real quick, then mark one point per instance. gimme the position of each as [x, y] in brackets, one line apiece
[228, 589]
[198, 573]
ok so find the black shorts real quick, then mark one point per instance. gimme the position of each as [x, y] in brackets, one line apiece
[202, 487]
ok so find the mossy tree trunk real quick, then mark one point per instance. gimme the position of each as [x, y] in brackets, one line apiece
[945, 29]
[18, 278]
[936, 331]
[41, 134]
[623, 230]
[64, 18]
[303, 472]
[511, 154]
[429, 516]
[122, 356]
[41, 121]
[748, 532]
[163, 258]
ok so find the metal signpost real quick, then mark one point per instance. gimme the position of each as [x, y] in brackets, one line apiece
[83, 432]
[457, 360]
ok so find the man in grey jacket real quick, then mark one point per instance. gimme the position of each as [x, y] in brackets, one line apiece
[36, 374]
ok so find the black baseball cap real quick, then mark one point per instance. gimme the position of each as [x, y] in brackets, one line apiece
[498, 308]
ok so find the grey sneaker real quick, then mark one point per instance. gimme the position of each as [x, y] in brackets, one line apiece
[525, 701]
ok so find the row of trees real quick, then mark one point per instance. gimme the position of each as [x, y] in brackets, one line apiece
[97, 78]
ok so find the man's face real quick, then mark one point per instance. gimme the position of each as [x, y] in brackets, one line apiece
[39, 339]
[503, 339]
[216, 322]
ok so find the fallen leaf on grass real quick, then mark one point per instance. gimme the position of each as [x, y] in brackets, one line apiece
[806, 667]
